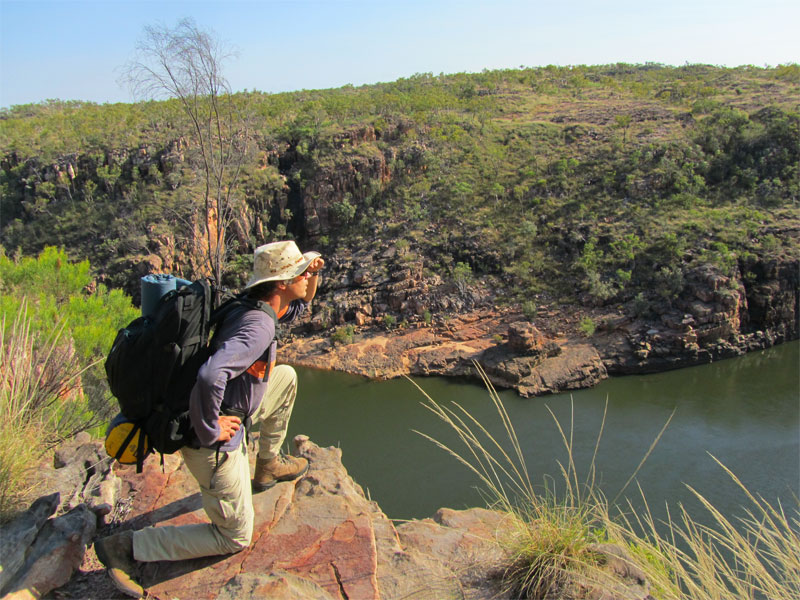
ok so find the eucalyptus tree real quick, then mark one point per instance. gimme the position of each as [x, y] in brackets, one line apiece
[186, 63]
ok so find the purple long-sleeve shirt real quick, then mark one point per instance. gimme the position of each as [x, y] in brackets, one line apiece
[236, 375]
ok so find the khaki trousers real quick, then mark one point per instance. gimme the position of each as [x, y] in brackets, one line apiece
[228, 502]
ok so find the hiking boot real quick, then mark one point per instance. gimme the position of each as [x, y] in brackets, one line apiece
[270, 471]
[116, 553]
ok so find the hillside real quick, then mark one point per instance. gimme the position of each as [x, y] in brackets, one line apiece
[556, 194]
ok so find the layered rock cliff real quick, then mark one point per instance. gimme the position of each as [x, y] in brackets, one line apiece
[713, 316]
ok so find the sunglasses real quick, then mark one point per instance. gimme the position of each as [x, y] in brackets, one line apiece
[303, 275]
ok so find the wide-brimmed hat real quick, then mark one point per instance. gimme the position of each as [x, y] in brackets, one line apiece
[279, 261]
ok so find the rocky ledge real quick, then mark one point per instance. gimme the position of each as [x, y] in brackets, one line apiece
[316, 538]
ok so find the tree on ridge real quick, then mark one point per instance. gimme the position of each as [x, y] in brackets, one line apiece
[185, 63]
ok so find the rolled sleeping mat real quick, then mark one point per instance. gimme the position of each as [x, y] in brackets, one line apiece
[153, 287]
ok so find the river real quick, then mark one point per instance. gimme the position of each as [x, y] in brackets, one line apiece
[745, 411]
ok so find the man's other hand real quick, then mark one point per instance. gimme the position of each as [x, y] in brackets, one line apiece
[228, 426]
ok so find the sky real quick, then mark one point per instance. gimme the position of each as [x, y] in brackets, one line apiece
[74, 50]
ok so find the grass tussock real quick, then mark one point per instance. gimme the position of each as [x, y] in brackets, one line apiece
[41, 405]
[555, 546]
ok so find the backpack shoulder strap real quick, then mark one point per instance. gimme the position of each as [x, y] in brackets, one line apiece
[264, 307]
[226, 307]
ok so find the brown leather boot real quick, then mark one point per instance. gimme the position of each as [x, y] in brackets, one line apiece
[116, 553]
[281, 468]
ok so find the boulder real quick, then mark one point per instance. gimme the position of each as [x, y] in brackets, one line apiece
[20, 534]
[55, 554]
[524, 338]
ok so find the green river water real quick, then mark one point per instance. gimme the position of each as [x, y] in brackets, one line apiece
[745, 411]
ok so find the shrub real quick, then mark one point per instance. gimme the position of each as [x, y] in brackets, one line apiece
[668, 282]
[530, 310]
[389, 321]
[343, 335]
[58, 290]
[462, 276]
[343, 211]
[641, 305]
[587, 326]
[598, 288]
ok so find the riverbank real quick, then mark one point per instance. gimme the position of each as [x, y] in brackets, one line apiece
[568, 347]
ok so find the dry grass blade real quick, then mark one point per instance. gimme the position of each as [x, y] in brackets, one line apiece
[549, 547]
[40, 405]
[644, 458]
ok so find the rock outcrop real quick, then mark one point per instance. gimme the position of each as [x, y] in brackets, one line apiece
[714, 317]
[44, 547]
[319, 537]
[81, 473]
[40, 553]
[316, 538]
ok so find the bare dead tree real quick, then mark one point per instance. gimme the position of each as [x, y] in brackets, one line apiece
[186, 62]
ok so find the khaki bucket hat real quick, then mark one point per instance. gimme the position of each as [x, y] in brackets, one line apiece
[279, 261]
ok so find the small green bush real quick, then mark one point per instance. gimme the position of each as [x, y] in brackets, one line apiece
[57, 290]
[530, 310]
[343, 335]
[587, 326]
[641, 305]
[462, 277]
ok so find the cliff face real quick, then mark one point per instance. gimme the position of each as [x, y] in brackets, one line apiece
[715, 316]
[339, 186]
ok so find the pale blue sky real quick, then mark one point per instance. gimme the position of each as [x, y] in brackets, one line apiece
[73, 49]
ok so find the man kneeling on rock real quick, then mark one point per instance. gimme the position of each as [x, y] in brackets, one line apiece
[242, 376]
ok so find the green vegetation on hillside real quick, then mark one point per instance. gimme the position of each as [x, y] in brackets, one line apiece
[600, 182]
[60, 299]
[57, 290]
[56, 326]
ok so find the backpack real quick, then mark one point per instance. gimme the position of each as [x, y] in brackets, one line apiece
[153, 365]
